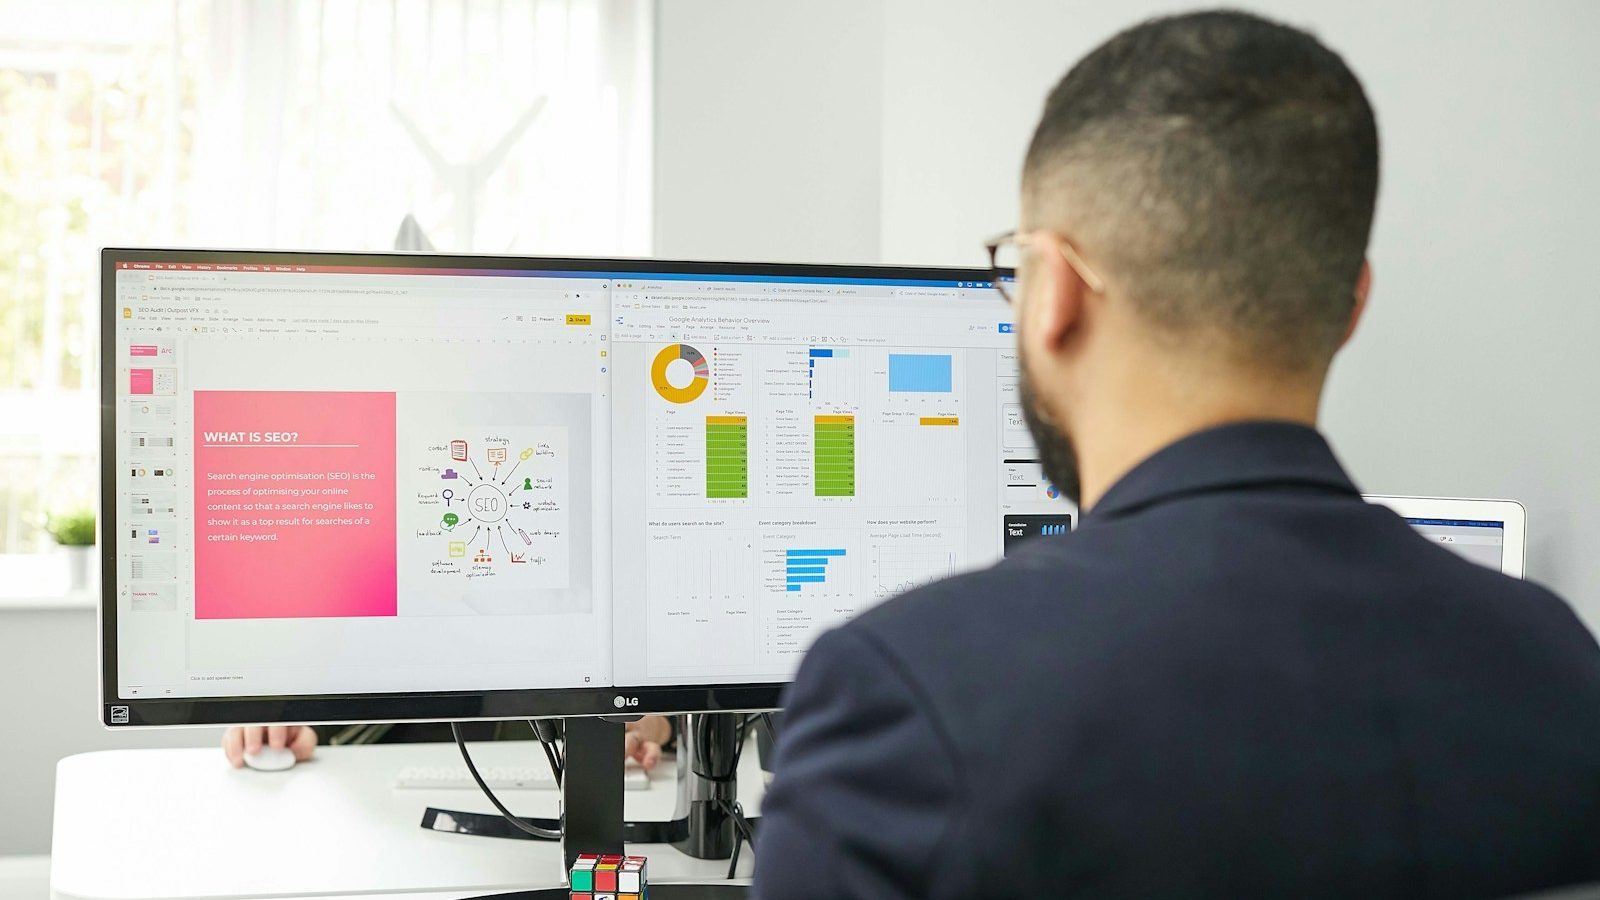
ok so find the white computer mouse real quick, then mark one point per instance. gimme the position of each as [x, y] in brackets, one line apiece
[270, 760]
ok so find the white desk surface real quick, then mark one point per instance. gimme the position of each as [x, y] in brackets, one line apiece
[183, 824]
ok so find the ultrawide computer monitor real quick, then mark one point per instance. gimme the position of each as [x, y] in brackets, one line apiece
[348, 487]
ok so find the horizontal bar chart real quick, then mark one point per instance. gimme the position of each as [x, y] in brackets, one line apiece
[803, 567]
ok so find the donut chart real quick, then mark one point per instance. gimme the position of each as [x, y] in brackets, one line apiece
[696, 386]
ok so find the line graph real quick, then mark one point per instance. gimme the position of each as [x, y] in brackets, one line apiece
[896, 570]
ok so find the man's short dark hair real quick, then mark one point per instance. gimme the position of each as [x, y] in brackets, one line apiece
[1222, 169]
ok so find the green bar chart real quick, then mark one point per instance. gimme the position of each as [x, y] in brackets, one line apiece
[834, 446]
[727, 457]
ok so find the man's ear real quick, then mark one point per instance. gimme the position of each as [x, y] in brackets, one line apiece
[1363, 289]
[1053, 308]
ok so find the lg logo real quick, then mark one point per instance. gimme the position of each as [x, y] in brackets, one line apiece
[621, 702]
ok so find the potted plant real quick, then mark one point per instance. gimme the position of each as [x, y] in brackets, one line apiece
[75, 531]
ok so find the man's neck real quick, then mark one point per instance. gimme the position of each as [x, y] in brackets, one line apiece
[1119, 433]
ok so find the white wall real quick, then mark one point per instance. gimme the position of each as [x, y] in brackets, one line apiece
[49, 708]
[767, 129]
[1474, 373]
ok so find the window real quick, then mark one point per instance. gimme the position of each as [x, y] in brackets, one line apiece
[518, 126]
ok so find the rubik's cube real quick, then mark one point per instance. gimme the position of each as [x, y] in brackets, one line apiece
[596, 877]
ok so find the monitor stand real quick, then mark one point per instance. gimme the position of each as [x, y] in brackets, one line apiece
[591, 789]
[591, 800]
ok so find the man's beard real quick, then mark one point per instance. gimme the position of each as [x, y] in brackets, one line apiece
[1057, 456]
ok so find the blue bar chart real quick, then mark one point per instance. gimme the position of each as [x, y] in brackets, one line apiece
[920, 373]
[831, 378]
[803, 567]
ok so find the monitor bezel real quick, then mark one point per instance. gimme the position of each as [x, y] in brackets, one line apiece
[122, 713]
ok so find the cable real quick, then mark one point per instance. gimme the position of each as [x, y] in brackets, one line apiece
[743, 833]
[735, 811]
[553, 732]
[744, 732]
[555, 764]
[548, 834]
[702, 738]
[545, 731]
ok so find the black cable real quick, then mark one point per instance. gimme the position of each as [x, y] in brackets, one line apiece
[744, 732]
[556, 737]
[703, 740]
[548, 834]
[743, 833]
[545, 731]
[735, 811]
[555, 764]
[738, 839]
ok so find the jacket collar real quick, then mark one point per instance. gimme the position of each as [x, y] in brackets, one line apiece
[1240, 455]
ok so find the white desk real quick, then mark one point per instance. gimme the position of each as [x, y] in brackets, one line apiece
[183, 824]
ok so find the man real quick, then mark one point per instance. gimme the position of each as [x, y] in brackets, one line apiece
[1235, 679]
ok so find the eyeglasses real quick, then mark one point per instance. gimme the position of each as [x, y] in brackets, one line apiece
[1005, 258]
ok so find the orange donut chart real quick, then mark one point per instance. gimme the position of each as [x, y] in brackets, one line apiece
[696, 386]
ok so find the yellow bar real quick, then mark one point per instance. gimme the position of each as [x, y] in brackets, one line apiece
[939, 420]
[836, 420]
[727, 420]
[577, 318]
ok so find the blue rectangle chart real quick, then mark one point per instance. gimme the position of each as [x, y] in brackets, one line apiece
[803, 567]
[920, 373]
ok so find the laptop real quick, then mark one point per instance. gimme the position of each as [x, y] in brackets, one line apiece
[1491, 533]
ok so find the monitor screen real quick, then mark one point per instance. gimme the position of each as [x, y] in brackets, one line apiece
[348, 487]
[1479, 540]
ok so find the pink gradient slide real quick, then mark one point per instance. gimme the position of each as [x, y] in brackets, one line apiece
[294, 504]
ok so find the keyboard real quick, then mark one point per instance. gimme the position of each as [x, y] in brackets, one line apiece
[499, 778]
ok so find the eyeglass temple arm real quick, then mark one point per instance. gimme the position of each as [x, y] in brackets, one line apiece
[1070, 254]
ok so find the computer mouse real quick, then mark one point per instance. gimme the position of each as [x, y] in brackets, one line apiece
[270, 760]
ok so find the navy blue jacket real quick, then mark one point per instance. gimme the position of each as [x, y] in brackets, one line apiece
[1235, 679]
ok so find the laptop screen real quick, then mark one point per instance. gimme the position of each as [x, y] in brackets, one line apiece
[1479, 540]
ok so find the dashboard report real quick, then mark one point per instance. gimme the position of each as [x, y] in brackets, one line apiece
[339, 475]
